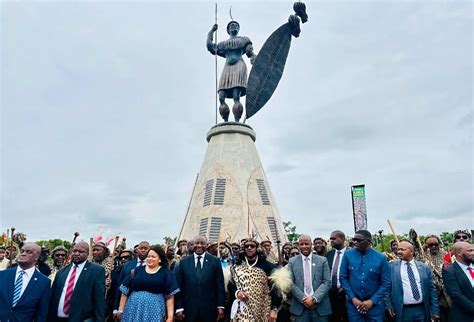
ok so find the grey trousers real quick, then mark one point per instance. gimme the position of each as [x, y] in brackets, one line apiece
[311, 316]
[414, 314]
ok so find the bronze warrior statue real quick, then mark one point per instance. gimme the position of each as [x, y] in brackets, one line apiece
[233, 81]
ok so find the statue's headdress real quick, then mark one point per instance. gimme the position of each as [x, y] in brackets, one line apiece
[228, 25]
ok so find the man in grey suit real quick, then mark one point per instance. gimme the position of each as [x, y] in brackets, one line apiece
[311, 284]
[413, 296]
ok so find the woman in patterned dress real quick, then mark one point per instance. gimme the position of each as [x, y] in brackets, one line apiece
[148, 291]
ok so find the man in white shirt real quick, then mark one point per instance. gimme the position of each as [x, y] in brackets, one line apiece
[337, 296]
[77, 299]
[413, 296]
[24, 291]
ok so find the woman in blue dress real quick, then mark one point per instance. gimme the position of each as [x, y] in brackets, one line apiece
[148, 291]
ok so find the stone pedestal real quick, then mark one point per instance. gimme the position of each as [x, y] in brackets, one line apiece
[232, 198]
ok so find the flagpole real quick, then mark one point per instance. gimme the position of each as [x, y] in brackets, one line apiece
[216, 107]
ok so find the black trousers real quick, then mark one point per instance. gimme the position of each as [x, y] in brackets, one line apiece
[338, 305]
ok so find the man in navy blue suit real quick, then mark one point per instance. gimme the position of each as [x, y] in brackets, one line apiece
[413, 296]
[24, 291]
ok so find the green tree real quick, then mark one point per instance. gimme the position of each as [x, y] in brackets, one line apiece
[290, 230]
[52, 243]
[169, 240]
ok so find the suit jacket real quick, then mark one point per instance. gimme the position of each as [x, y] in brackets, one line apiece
[430, 295]
[321, 279]
[459, 288]
[88, 299]
[33, 303]
[200, 296]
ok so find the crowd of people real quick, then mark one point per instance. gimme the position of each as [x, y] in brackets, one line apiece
[248, 281]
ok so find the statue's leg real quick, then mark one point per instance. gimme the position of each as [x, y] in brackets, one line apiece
[223, 108]
[238, 108]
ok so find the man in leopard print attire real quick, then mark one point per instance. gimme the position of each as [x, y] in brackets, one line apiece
[256, 299]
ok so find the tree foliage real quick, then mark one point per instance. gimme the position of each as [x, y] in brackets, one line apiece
[290, 230]
[52, 243]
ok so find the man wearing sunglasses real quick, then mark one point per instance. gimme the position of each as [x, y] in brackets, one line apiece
[256, 299]
[59, 256]
[365, 277]
[459, 236]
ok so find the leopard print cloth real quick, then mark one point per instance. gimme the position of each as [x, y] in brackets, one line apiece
[254, 282]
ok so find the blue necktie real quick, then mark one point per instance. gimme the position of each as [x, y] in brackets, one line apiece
[414, 287]
[17, 290]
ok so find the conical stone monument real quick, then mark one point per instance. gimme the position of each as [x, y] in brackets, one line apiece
[232, 198]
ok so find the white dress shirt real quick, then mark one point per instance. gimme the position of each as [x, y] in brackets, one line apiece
[407, 291]
[79, 269]
[27, 274]
[309, 259]
[339, 266]
[196, 259]
[140, 264]
[466, 271]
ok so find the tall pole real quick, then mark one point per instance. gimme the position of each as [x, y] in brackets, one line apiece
[216, 61]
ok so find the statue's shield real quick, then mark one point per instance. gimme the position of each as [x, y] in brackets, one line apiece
[267, 69]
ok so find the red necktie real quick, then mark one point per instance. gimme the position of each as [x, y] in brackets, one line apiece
[69, 291]
[471, 272]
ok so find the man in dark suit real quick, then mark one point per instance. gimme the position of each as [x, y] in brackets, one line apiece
[458, 281]
[413, 296]
[311, 283]
[201, 282]
[78, 292]
[337, 296]
[24, 291]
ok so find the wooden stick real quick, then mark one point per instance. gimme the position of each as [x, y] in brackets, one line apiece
[393, 230]
[112, 254]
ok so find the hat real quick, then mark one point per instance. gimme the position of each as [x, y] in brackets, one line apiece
[100, 244]
[462, 231]
[58, 248]
[365, 233]
[228, 25]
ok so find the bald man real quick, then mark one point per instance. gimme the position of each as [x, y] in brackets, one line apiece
[458, 281]
[311, 283]
[413, 296]
[78, 291]
[24, 291]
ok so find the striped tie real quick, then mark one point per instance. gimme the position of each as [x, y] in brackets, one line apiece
[411, 278]
[69, 291]
[18, 287]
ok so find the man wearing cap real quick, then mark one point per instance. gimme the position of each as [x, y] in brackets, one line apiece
[461, 235]
[365, 277]
[101, 256]
[58, 254]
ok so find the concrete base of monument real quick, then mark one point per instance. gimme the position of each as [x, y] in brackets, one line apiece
[232, 199]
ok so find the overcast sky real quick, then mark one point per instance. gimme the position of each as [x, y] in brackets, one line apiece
[105, 107]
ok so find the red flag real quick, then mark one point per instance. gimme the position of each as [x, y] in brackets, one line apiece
[3, 238]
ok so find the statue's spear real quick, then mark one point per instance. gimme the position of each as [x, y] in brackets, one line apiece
[216, 107]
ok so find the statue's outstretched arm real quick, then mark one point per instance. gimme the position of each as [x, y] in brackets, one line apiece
[211, 46]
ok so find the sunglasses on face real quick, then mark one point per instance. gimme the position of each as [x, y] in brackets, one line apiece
[59, 255]
[433, 245]
[462, 237]
[124, 257]
[251, 246]
[357, 240]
